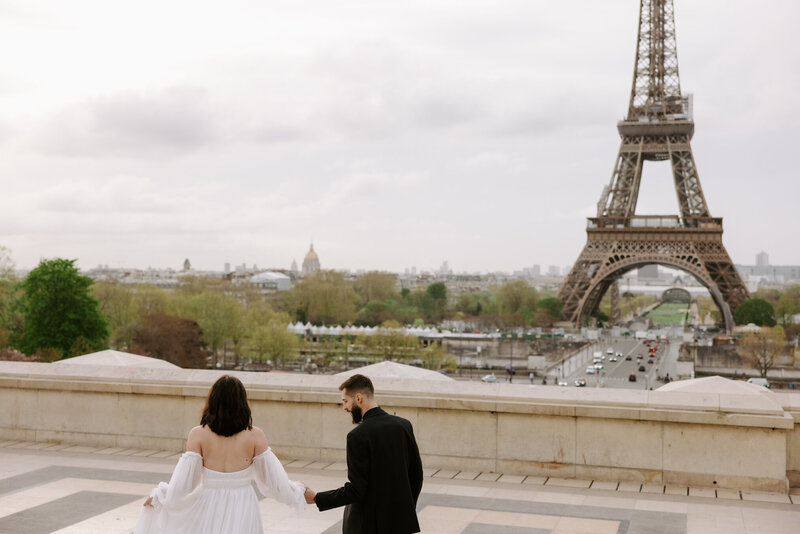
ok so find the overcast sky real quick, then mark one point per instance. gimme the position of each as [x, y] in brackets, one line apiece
[392, 134]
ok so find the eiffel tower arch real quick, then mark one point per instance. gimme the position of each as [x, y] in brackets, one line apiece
[659, 127]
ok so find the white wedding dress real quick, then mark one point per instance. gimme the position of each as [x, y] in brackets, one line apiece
[201, 501]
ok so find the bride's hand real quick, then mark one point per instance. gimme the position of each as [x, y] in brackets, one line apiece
[149, 502]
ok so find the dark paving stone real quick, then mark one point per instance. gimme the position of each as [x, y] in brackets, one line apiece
[53, 473]
[62, 513]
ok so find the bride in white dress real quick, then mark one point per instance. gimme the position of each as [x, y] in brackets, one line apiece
[210, 490]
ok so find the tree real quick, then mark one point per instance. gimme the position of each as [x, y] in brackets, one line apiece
[376, 285]
[59, 311]
[324, 298]
[761, 348]
[120, 305]
[552, 306]
[174, 339]
[788, 304]
[8, 296]
[221, 318]
[756, 311]
[274, 341]
[517, 302]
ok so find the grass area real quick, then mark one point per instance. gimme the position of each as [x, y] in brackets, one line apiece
[669, 313]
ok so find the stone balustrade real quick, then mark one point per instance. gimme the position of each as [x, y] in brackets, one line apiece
[720, 438]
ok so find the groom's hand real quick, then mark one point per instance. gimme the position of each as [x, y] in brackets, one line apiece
[310, 494]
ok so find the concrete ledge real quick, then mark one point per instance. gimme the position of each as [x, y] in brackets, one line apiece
[681, 438]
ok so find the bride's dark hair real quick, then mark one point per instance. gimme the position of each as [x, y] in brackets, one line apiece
[227, 412]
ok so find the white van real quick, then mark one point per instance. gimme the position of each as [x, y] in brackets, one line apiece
[759, 382]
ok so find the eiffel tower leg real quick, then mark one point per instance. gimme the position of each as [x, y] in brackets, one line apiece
[613, 318]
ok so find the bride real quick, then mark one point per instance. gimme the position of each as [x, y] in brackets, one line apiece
[210, 489]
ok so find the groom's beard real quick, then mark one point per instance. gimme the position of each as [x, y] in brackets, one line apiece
[356, 414]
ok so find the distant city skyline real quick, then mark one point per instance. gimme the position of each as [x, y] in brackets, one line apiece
[391, 135]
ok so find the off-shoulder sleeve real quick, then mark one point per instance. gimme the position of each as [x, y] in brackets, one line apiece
[272, 481]
[177, 495]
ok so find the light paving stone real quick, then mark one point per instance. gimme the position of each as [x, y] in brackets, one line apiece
[466, 475]
[145, 453]
[489, 477]
[723, 493]
[604, 485]
[110, 450]
[318, 465]
[511, 479]
[162, 454]
[81, 448]
[653, 487]
[21, 445]
[57, 447]
[635, 487]
[39, 445]
[568, 482]
[429, 472]
[337, 466]
[795, 498]
[445, 473]
[298, 464]
[764, 496]
[676, 490]
[127, 452]
[703, 492]
[535, 481]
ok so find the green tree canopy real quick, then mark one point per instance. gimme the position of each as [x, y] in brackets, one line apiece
[552, 306]
[58, 310]
[324, 298]
[757, 311]
[517, 300]
[376, 285]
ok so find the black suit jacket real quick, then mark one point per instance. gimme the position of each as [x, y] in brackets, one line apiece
[384, 474]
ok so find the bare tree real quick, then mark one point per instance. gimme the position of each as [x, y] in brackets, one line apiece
[760, 349]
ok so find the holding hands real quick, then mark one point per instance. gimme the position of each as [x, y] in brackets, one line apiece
[309, 495]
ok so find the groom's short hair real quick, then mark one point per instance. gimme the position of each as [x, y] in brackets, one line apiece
[358, 384]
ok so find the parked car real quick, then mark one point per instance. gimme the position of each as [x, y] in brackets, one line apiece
[632, 377]
[490, 378]
[562, 382]
[759, 382]
[590, 370]
[581, 383]
[641, 369]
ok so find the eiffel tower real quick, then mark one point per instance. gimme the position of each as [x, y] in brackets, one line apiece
[658, 127]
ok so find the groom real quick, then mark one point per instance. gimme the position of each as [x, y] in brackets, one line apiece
[383, 468]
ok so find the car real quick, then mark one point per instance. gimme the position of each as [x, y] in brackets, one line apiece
[609, 350]
[632, 377]
[619, 354]
[650, 360]
[612, 359]
[562, 382]
[581, 383]
[639, 356]
[489, 379]
[590, 370]
[642, 369]
[627, 358]
[759, 382]
[598, 366]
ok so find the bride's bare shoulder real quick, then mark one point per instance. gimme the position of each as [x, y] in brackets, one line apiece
[194, 442]
[259, 440]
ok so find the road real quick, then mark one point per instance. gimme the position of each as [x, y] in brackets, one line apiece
[616, 374]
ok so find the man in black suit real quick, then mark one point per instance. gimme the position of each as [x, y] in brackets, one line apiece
[384, 469]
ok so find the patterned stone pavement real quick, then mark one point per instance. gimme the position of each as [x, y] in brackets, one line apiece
[50, 487]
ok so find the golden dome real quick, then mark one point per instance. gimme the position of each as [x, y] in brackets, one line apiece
[311, 255]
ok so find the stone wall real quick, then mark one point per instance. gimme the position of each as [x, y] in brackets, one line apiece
[696, 439]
